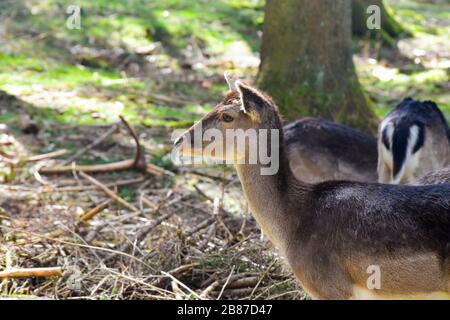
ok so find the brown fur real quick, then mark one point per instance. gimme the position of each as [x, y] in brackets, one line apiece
[320, 150]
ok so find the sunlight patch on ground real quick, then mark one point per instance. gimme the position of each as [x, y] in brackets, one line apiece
[240, 54]
[68, 103]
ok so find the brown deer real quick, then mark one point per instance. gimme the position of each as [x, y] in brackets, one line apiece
[332, 233]
[321, 150]
[413, 139]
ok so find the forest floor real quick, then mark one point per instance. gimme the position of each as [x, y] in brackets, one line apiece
[179, 232]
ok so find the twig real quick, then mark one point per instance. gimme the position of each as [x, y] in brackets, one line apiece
[209, 234]
[200, 226]
[226, 283]
[205, 293]
[266, 272]
[148, 203]
[244, 283]
[210, 176]
[92, 213]
[87, 188]
[32, 272]
[182, 284]
[109, 192]
[108, 167]
[54, 154]
[241, 292]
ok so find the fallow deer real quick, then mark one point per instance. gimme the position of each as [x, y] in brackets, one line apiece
[332, 233]
[413, 139]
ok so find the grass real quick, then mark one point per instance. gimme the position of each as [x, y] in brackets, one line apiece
[180, 29]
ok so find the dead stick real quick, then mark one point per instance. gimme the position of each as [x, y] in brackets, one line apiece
[149, 203]
[87, 188]
[109, 192]
[32, 272]
[139, 159]
[93, 212]
[93, 144]
[45, 156]
[200, 226]
[108, 167]
[238, 293]
[243, 283]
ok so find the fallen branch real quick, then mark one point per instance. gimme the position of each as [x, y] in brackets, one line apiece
[108, 167]
[32, 272]
[109, 192]
[137, 163]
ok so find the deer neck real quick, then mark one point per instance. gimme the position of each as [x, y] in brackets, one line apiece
[268, 197]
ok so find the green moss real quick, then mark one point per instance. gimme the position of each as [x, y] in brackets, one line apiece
[7, 117]
[128, 194]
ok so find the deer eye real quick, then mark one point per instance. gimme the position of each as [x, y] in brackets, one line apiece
[227, 118]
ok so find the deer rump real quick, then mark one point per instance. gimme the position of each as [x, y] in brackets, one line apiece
[414, 140]
[402, 139]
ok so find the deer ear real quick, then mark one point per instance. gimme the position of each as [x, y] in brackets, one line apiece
[251, 99]
[230, 81]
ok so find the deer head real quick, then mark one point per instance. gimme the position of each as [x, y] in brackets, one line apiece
[234, 127]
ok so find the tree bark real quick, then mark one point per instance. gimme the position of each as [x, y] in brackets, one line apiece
[306, 62]
[390, 28]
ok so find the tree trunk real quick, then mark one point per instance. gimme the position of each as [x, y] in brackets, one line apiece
[306, 62]
[390, 29]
